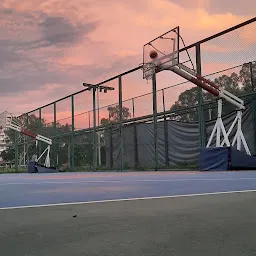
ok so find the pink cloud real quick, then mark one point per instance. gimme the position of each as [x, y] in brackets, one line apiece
[122, 29]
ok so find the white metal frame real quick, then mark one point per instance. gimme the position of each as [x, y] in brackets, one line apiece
[10, 124]
[220, 93]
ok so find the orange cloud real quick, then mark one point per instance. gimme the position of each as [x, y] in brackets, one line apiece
[247, 34]
[122, 29]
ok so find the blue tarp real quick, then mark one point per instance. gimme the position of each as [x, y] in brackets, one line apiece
[33, 167]
[240, 160]
[225, 158]
[214, 159]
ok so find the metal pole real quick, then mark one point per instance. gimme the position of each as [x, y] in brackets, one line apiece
[253, 104]
[166, 144]
[89, 118]
[72, 134]
[251, 75]
[39, 131]
[135, 140]
[16, 152]
[98, 134]
[25, 139]
[155, 119]
[133, 110]
[200, 98]
[56, 162]
[111, 147]
[94, 129]
[121, 123]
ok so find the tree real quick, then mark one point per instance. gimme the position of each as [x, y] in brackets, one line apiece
[114, 115]
[8, 155]
[186, 99]
[245, 76]
[234, 83]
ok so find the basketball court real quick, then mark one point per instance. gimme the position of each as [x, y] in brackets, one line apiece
[146, 213]
[137, 213]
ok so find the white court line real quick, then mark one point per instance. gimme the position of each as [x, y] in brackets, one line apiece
[125, 199]
[119, 181]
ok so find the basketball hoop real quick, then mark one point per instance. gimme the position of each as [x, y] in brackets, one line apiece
[148, 70]
[161, 53]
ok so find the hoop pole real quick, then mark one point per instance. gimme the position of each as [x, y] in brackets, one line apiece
[200, 99]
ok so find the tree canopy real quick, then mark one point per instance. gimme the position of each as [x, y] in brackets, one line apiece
[113, 113]
[233, 83]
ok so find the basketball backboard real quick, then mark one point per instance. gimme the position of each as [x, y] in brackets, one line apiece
[161, 53]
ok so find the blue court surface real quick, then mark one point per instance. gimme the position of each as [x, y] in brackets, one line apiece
[129, 213]
[28, 190]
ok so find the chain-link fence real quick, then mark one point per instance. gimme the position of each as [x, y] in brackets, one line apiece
[184, 112]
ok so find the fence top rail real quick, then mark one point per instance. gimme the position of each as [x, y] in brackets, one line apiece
[139, 67]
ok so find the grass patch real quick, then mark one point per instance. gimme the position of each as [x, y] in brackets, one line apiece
[12, 170]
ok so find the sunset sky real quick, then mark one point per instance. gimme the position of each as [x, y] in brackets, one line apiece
[49, 48]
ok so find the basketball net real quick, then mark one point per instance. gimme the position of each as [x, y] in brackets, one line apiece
[149, 69]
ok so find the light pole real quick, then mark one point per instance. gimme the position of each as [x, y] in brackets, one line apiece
[94, 88]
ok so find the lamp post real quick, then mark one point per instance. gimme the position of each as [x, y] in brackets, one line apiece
[94, 88]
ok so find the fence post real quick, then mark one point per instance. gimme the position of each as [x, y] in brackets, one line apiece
[72, 134]
[40, 131]
[133, 110]
[251, 76]
[111, 147]
[16, 151]
[166, 144]
[54, 134]
[200, 99]
[155, 119]
[94, 129]
[27, 146]
[253, 104]
[89, 119]
[121, 123]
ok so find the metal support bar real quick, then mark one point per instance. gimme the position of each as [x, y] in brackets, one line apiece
[98, 133]
[166, 141]
[121, 123]
[218, 129]
[133, 110]
[39, 130]
[55, 154]
[16, 152]
[155, 119]
[136, 157]
[251, 75]
[111, 146]
[200, 99]
[72, 134]
[94, 129]
[239, 139]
